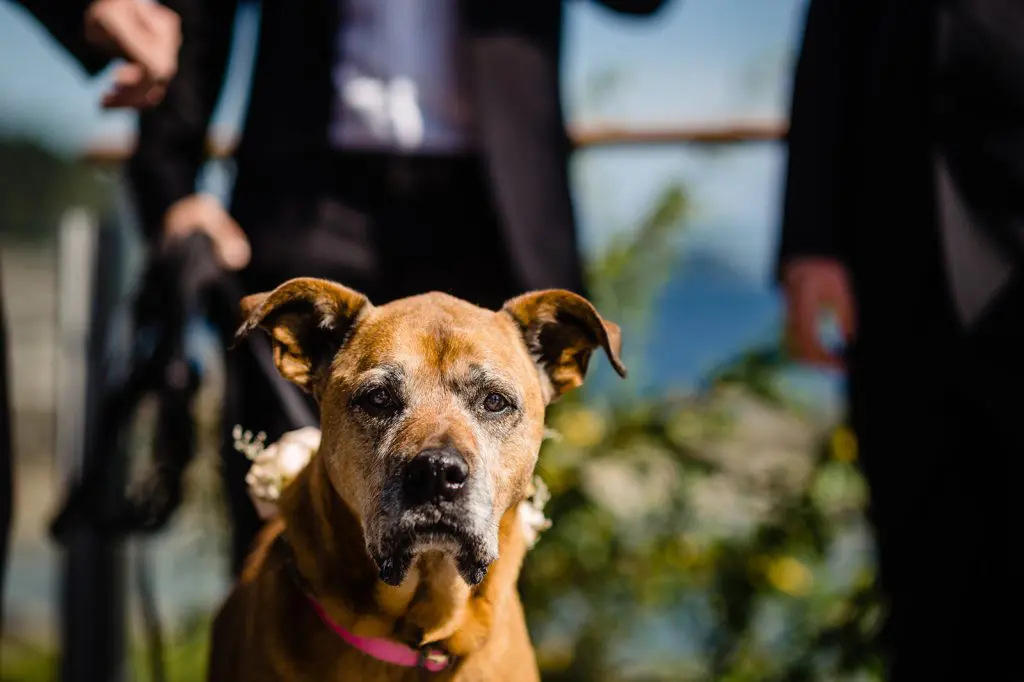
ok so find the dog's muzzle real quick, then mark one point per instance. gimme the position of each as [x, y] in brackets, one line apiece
[435, 503]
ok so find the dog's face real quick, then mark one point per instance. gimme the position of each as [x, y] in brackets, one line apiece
[432, 409]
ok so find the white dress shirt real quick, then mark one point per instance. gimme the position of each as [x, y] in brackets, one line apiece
[399, 82]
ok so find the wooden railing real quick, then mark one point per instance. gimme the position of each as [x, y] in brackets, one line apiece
[584, 136]
[598, 135]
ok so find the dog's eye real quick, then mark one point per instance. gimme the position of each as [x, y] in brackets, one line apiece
[496, 402]
[379, 398]
[377, 401]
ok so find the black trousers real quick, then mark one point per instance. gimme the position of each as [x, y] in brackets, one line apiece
[938, 412]
[387, 226]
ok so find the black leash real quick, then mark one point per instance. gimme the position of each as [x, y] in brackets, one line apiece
[170, 296]
[178, 286]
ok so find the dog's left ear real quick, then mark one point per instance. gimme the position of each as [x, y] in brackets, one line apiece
[561, 330]
[308, 320]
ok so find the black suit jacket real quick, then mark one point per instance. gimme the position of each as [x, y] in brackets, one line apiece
[65, 20]
[907, 143]
[513, 48]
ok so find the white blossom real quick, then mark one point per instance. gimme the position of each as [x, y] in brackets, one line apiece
[276, 465]
[531, 512]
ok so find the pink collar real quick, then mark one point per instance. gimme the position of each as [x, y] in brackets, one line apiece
[386, 650]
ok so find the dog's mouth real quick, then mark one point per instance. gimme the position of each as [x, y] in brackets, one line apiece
[469, 550]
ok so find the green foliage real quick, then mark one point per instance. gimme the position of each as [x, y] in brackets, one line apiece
[697, 537]
[635, 265]
[38, 186]
[186, 656]
[26, 664]
[757, 370]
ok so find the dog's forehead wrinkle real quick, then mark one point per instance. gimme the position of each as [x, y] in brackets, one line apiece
[384, 371]
[445, 346]
[440, 341]
[492, 374]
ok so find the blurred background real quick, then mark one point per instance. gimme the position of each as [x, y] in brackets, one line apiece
[707, 512]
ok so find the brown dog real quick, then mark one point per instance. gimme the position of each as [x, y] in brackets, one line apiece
[403, 532]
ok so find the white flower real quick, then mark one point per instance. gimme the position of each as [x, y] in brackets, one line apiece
[249, 445]
[294, 451]
[276, 465]
[531, 512]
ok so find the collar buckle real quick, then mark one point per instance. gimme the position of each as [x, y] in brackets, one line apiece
[432, 659]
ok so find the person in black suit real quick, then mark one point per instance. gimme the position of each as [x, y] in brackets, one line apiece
[395, 146]
[904, 215]
[147, 36]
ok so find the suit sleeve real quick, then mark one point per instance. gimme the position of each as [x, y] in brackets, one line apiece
[822, 130]
[65, 20]
[171, 146]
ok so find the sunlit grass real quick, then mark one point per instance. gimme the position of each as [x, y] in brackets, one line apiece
[185, 658]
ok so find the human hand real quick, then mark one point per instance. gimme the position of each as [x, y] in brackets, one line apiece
[814, 286]
[203, 212]
[144, 33]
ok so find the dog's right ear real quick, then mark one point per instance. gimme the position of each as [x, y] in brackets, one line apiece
[561, 330]
[308, 321]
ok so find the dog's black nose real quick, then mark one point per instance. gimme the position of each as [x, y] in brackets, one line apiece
[434, 475]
